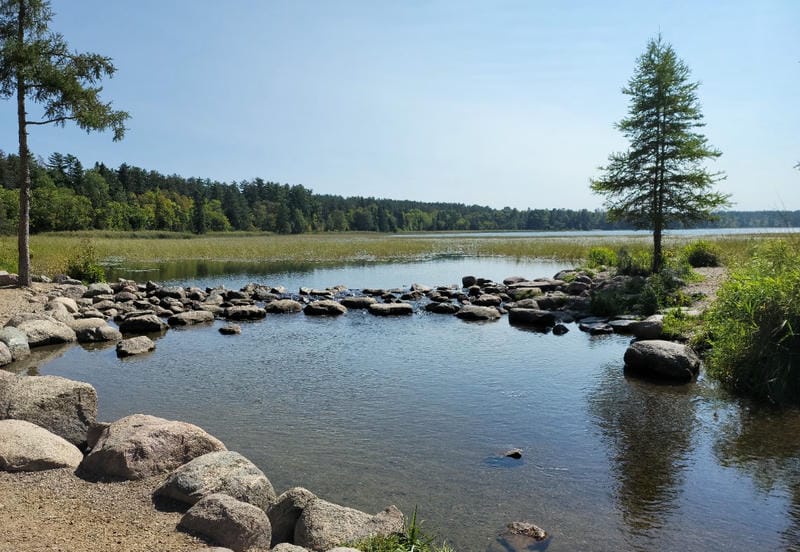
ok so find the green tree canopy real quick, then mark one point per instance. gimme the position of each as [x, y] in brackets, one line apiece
[660, 178]
[37, 65]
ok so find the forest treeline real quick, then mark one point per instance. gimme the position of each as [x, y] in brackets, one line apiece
[67, 196]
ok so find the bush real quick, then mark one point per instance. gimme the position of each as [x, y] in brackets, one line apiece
[637, 263]
[702, 253]
[601, 256]
[83, 264]
[754, 327]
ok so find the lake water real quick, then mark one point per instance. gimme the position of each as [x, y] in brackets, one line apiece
[416, 411]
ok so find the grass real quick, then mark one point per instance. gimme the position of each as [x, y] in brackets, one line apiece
[51, 253]
[412, 539]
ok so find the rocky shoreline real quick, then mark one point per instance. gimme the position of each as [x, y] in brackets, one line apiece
[49, 423]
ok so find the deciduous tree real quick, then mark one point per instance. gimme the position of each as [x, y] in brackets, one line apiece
[661, 178]
[37, 65]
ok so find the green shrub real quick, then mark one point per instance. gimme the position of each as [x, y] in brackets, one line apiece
[83, 264]
[410, 540]
[601, 256]
[702, 253]
[754, 327]
[636, 263]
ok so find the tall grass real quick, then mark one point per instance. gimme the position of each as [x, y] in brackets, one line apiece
[50, 253]
[754, 326]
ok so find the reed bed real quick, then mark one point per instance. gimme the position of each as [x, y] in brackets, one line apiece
[51, 252]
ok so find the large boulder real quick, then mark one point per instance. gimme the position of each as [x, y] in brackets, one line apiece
[27, 447]
[135, 346]
[285, 512]
[662, 359]
[474, 312]
[324, 525]
[65, 407]
[17, 342]
[98, 288]
[5, 355]
[225, 472]
[46, 331]
[326, 307]
[69, 304]
[189, 318]
[229, 522]
[140, 445]
[146, 323]
[391, 309]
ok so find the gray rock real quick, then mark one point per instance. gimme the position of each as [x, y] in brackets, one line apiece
[27, 447]
[191, 317]
[662, 359]
[135, 346]
[230, 329]
[324, 525]
[65, 407]
[596, 328]
[528, 303]
[391, 309]
[285, 512]
[487, 300]
[553, 300]
[98, 334]
[622, 325]
[560, 329]
[531, 317]
[99, 288]
[7, 279]
[60, 313]
[146, 323]
[527, 292]
[173, 292]
[442, 308]
[17, 342]
[649, 328]
[69, 304]
[283, 306]
[468, 281]
[474, 312]
[224, 472]
[360, 302]
[286, 547]
[46, 332]
[229, 522]
[139, 446]
[324, 308]
[5, 355]
[245, 312]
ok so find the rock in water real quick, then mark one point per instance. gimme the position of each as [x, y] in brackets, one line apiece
[662, 359]
[135, 346]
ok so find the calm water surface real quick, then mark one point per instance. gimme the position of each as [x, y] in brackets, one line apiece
[369, 411]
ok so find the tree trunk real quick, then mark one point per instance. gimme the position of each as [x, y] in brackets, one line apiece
[657, 253]
[23, 233]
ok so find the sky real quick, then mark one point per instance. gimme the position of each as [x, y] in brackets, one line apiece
[499, 103]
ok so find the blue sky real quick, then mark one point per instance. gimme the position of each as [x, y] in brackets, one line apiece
[501, 103]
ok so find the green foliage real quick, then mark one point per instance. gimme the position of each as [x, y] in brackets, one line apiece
[634, 263]
[754, 327]
[660, 179]
[702, 253]
[83, 264]
[601, 256]
[680, 326]
[412, 539]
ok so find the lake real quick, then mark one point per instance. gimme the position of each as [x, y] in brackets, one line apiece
[417, 411]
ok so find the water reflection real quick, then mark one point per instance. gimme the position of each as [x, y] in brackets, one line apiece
[648, 431]
[198, 268]
[766, 445]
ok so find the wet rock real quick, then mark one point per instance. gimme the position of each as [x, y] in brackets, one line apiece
[62, 406]
[95, 330]
[245, 312]
[649, 328]
[391, 309]
[139, 446]
[560, 329]
[190, 318]
[513, 453]
[527, 529]
[135, 346]
[324, 525]
[361, 302]
[224, 472]
[146, 323]
[487, 300]
[229, 522]
[596, 328]
[230, 329]
[283, 306]
[531, 317]
[442, 308]
[662, 359]
[474, 312]
[553, 300]
[27, 447]
[468, 281]
[324, 308]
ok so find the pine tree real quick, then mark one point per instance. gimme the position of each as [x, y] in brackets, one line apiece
[36, 64]
[660, 178]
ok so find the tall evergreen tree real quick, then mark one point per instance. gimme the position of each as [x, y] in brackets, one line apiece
[660, 178]
[36, 64]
